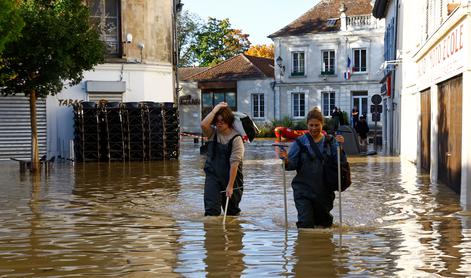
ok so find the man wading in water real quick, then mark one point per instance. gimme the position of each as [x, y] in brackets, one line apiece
[223, 165]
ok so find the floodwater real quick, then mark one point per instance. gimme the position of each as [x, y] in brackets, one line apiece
[145, 220]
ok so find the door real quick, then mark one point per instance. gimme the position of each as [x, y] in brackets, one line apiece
[450, 94]
[425, 130]
[360, 101]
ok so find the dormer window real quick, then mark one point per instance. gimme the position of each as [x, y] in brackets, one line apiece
[331, 22]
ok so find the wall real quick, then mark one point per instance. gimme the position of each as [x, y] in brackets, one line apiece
[143, 83]
[190, 114]
[150, 23]
[245, 89]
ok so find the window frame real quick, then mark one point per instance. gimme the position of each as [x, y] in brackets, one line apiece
[260, 109]
[296, 69]
[360, 68]
[104, 36]
[301, 98]
[205, 109]
[330, 68]
[330, 102]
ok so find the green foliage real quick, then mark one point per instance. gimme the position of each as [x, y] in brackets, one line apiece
[188, 24]
[57, 44]
[345, 117]
[216, 41]
[267, 130]
[10, 22]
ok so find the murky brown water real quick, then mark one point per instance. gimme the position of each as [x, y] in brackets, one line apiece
[145, 220]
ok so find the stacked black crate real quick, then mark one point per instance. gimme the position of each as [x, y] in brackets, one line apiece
[87, 132]
[171, 131]
[134, 131]
[114, 130]
[103, 131]
[154, 130]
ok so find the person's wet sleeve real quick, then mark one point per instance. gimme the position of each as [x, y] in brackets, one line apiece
[293, 157]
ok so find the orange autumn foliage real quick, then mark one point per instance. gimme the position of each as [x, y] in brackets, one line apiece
[262, 50]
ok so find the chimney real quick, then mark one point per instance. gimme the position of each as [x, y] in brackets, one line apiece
[343, 17]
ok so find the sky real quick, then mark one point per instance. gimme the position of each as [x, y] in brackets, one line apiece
[258, 18]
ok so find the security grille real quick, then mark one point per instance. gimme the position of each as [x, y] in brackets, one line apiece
[15, 127]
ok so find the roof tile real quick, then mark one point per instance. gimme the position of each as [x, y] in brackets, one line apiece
[316, 20]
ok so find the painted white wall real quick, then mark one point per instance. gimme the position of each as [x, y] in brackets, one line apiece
[143, 83]
[245, 90]
[190, 115]
[314, 83]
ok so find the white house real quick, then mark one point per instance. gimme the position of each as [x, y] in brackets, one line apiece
[245, 82]
[139, 66]
[433, 78]
[329, 57]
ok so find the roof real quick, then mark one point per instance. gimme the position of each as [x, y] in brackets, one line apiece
[324, 17]
[242, 66]
[186, 72]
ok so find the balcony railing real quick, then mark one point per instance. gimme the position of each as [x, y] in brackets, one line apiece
[362, 22]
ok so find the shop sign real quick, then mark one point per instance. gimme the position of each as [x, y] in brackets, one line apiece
[69, 102]
[447, 57]
[188, 100]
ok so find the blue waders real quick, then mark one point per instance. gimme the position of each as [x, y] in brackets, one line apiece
[312, 198]
[217, 168]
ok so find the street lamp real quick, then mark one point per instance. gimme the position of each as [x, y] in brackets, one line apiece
[279, 62]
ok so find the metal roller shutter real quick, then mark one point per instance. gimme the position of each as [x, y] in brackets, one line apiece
[15, 128]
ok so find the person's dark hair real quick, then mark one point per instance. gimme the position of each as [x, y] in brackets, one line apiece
[316, 114]
[227, 116]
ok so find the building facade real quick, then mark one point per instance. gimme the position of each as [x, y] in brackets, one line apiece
[245, 82]
[329, 57]
[139, 64]
[434, 82]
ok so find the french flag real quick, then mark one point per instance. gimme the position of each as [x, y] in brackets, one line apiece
[348, 73]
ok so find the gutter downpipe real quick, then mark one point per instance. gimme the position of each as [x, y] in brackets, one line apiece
[396, 23]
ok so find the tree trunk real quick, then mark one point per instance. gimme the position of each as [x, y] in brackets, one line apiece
[34, 133]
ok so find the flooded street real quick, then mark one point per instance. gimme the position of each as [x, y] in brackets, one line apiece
[146, 220]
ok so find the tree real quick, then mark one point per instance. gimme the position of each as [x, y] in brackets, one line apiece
[217, 41]
[57, 44]
[188, 24]
[262, 50]
[10, 22]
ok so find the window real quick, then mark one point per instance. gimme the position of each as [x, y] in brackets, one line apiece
[359, 60]
[105, 15]
[298, 105]
[360, 101]
[211, 98]
[298, 63]
[328, 62]
[258, 106]
[328, 103]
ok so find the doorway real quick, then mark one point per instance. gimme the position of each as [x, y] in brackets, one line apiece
[425, 117]
[360, 101]
[450, 97]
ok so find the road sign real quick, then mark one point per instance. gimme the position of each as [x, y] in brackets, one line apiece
[376, 117]
[376, 99]
[376, 108]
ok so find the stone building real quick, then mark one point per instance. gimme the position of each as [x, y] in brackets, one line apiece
[329, 57]
[245, 82]
[139, 66]
[433, 80]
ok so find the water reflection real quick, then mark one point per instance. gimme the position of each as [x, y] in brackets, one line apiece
[223, 247]
[314, 254]
[146, 220]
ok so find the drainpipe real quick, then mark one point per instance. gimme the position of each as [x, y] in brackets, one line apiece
[393, 85]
